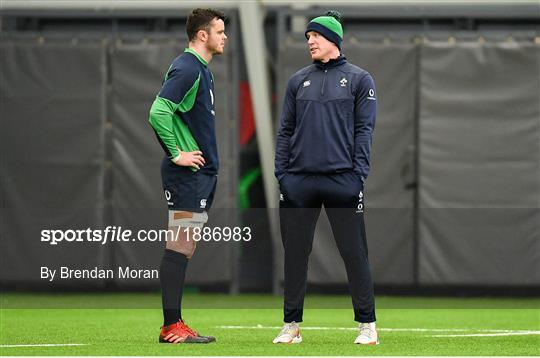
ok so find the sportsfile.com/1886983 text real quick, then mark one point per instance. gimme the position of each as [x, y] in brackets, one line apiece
[119, 234]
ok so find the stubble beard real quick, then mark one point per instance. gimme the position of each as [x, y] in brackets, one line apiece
[215, 50]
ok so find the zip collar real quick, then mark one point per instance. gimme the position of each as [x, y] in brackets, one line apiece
[191, 51]
[340, 60]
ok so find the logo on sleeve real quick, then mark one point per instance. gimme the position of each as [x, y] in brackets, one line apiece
[371, 94]
[343, 82]
[307, 83]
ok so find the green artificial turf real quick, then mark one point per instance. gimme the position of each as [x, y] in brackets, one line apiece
[407, 326]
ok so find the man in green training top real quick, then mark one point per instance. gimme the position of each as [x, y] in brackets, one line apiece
[183, 116]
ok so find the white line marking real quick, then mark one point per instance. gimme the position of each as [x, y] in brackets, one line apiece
[41, 345]
[494, 331]
[445, 330]
[524, 333]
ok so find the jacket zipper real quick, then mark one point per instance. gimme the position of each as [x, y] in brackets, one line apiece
[323, 83]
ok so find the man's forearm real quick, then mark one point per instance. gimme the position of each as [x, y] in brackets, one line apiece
[282, 155]
[362, 153]
[161, 119]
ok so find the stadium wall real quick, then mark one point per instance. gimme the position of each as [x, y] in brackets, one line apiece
[453, 197]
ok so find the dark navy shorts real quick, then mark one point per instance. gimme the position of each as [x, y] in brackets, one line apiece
[185, 189]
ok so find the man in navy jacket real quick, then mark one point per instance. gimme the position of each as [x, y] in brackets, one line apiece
[322, 158]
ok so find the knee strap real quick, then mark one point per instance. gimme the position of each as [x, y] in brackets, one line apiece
[187, 218]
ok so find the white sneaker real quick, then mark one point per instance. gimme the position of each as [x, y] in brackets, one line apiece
[290, 333]
[367, 334]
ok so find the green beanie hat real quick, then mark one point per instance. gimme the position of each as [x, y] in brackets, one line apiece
[328, 26]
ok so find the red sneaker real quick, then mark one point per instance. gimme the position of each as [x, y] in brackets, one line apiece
[180, 332]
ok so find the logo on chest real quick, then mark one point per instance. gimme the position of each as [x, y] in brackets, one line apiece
[307, 83]
[343, 82]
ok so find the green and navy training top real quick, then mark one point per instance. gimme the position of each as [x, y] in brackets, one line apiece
[183, 112]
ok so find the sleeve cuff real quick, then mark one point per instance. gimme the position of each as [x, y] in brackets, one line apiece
[279, 176]
[177, 157]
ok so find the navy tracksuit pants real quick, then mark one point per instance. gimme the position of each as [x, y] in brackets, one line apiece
[302, 196]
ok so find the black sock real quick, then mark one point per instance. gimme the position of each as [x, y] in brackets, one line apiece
[171, 276]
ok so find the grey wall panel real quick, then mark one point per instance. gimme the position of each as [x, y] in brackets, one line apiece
[137, 197]
[138, 200]
[293, 56]
[389, 213]
[479, 247]
[389, 204]
[226, 128]
[480, 164]
[51, 141]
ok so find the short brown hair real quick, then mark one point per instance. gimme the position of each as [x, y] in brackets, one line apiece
[200, 19]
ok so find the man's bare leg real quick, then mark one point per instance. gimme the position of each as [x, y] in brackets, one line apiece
[180, 239]
[179, 249]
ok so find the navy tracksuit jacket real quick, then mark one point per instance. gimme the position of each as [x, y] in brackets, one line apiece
[322, 159]
[327, 120]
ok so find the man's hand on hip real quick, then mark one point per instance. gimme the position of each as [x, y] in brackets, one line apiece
[190, 159]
